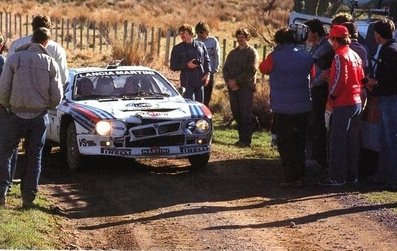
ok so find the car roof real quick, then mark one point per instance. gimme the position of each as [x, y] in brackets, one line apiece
[115, 68]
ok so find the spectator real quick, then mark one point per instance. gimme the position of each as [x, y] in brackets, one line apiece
[384, 86]
[290, 102]
[190, 57]
[341, 18]
[355, 45]
[322, 53]
[29, 86]
[54, 49]
[239, 73]
[344, 94]
[212, 45]
[3, 112]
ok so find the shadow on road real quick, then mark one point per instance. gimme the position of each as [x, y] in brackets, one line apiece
[116, 187]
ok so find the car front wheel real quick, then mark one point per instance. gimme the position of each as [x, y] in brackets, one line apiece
[73, 156]
[199, 161]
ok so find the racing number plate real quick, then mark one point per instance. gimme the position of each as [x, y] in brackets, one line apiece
[155, 151]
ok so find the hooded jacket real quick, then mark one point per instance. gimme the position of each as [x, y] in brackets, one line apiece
[30, 81]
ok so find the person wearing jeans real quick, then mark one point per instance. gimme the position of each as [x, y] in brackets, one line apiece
[29, 85]
[346, 74]
[211, 43]
[384, 86]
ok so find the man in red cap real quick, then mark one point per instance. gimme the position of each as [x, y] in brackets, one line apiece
[345, 78]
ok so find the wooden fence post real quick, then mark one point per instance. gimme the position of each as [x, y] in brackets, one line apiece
[88, 34]
[27, 25]
[20, 25]
[152, 42]
[74, 33]
[93, 36]
[67, 38]
[6, 33]
[132, 34]
[62, 30]
[158, 42]
[81, 34]
[145, 38]
[100, 35]
[115, 31]
[125, 31]
[167, 46]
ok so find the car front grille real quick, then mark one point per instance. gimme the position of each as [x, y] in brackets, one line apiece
[155, 129]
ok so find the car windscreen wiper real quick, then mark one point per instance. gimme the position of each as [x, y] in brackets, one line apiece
[159, 94]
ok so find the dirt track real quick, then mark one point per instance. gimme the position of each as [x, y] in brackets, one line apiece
[234, 204]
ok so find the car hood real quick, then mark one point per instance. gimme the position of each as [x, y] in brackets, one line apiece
[88, 113]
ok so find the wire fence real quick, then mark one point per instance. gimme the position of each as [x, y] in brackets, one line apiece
[79, 34]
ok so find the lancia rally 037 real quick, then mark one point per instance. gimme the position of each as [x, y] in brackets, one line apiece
[130, 112]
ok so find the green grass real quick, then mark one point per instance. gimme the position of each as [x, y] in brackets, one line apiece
[34, 228]
[226, 136]
[382, 197]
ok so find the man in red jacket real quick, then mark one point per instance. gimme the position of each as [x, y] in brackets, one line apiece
[345, 85]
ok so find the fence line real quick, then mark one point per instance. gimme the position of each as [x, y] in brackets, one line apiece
[70, 34]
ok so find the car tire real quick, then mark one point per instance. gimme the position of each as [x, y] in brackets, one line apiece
[73, 156]
[199, 161]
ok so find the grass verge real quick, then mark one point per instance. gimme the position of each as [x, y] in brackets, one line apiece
[34, 228]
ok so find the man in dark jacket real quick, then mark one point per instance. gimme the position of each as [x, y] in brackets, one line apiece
[30, 85]
[290, 102]
[384, 85]
[190, 57]
[322, 54]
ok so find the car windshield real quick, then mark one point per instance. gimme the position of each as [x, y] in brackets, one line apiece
[121, 84]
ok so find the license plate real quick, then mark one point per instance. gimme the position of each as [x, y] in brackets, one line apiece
[155, 151]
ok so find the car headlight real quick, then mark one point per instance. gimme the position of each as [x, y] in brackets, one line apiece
[202, 126]
[111, 128]
[103, 128]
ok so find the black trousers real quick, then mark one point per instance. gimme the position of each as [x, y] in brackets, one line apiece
[291, 138]
[241, 102]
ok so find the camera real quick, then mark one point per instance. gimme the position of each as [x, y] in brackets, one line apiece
[301, 32]
[196, 62]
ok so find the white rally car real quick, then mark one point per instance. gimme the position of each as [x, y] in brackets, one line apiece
[130, 112]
